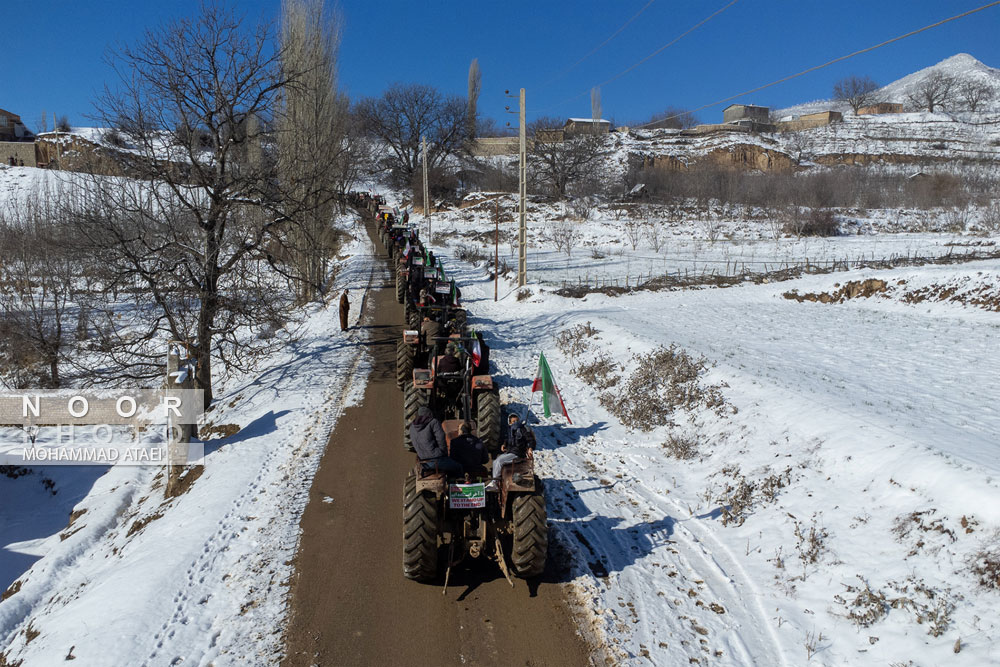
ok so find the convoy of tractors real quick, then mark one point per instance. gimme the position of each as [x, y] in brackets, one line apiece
[440, 364]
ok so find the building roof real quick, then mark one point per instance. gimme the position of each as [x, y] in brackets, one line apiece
[587, 120]
[746, 106]
[10, 113]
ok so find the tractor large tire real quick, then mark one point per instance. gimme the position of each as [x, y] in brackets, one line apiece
[420, 532]
[404, 363]
[413, 319]
[531, 535]
[408, 310]
[400, 286]
[488, 420]
[413, 400]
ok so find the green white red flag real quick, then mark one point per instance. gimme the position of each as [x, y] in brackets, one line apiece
[544, 382]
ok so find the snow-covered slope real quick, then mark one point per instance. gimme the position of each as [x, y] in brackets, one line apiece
[962, 67]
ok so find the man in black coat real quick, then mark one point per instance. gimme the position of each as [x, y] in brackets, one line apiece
[429, 442]
[469, 450]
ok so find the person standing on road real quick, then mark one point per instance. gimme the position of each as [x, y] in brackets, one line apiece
[345, 307]
[429, 442]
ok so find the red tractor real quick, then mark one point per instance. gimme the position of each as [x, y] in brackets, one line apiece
[453, 394]
[465, 516]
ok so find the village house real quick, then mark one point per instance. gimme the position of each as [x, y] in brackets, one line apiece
[809, 120]
[576, 127]
[12, 129]
[740, 114]
[17, 145]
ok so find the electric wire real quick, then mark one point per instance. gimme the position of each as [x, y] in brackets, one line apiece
[654, 53]
[826, 64]
[598, 47]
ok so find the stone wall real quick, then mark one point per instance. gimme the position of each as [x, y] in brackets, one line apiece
[20, 150]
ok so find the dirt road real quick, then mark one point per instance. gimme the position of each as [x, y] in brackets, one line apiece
[351, 605]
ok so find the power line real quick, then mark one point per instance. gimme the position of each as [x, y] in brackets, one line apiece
[654, 53]
[828, 63]
[599, 46]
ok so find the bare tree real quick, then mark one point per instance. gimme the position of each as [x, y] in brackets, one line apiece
[975, 94]
[63, 124]
[559, 164]
[935, 91]
[310, 137]
[670, 118]
[36, 293]
[475, 86]
[402, 115]
[856, 91]
[595, 103]
[198, 229]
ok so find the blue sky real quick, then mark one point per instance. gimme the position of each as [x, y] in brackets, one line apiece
[55, 62]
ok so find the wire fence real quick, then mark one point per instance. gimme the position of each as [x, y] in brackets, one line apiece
[688, 271]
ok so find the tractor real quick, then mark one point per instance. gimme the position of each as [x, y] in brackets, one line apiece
[413, 351]
[454, 395]
[465, 517]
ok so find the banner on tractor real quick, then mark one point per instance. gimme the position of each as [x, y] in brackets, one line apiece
[467, 496]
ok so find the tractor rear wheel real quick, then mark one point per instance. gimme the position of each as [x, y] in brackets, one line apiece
[408, 310]
[404, 363]
[420, 532]
[531, 535]
[400, 286]
[413, 319]
[488, 420]
[413, 400]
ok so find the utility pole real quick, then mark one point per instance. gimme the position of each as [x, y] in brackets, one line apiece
[496, 252]
[522, 172]
[522, 227]
[427, 203]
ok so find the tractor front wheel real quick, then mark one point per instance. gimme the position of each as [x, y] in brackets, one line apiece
[413, 400]
[404, 363]
[488, 420]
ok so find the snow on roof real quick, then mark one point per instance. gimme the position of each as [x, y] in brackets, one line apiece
[587, 120]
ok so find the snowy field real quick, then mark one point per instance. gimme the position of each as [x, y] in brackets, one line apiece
[200, 578]
[833, 512]
[609, 251]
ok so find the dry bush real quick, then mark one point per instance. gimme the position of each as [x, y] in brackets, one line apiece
[470, 254]
[810, 543]
[813, 222]
[681, 447]
[524, 294]
[665, 380]
[867, 607]
[601, 373]
[573, 341]
[985, 565]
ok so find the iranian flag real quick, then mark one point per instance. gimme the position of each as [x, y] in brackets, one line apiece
[476, 352]
[545, 383]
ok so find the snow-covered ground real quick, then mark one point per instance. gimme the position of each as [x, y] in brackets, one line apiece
[200, 578]
[831, 512]
[609, 251]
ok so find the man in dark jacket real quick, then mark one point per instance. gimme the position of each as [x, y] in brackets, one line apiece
[469, 450]
[520, 445]
[345, 308]
[428, 440]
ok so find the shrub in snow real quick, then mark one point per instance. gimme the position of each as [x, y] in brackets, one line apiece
[663, 381]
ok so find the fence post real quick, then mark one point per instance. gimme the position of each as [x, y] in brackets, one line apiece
[180, 375]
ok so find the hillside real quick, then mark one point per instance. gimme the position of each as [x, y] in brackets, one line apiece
[962, 67]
